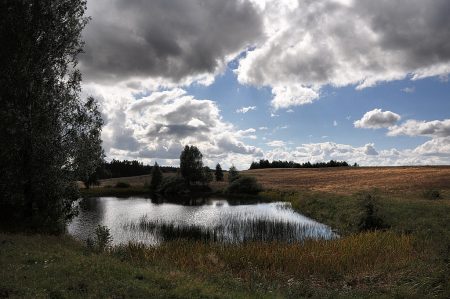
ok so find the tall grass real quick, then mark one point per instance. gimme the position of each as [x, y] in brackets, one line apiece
[234, 229]
[355, 256]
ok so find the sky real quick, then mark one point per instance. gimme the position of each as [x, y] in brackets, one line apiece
[308, 80]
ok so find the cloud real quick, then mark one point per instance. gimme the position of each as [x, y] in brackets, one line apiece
[433, 152]
[276, 143]
[158, 126]
[244, 110]
[435, 128]
[369, 149]
[376, 119]
[409, 89]
[335, 123]
[310, 44]
[177, 41]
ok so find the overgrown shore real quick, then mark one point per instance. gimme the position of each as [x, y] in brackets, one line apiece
[410, 259]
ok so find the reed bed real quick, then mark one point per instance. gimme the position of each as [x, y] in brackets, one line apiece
[361, 255]
[233, 229]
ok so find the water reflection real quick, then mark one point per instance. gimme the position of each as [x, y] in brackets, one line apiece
[153, 221]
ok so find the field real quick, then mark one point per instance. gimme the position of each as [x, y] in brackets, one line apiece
[348, 180]
[340, 180]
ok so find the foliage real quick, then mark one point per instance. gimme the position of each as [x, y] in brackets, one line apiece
[191, 165]
[122, 185]
[291, 164]
[369, 219]
[173, 185]
[233, 174]
[103, 238]
[89, 153]
[218, 173]
[244, 185]
[50, 136]
[207, 176]
[432, 194]
[157, 177]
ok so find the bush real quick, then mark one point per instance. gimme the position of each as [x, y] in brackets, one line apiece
[432, 194]
[102, 240]
[369, 219]
[122, 185]
[244, 185]
[173, 186]
[233, 174]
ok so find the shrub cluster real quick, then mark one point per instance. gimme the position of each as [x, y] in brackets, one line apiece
[244, 185]
[122, 185]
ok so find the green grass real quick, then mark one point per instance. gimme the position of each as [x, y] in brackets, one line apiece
[365, 265]
[59, 267]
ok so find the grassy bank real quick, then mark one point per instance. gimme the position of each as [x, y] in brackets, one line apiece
[364, 265]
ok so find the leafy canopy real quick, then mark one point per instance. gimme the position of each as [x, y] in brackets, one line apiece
[50, 136]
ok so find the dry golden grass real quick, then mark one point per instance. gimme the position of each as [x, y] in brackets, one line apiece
[339, 180]
[355, 257]
[353, 179]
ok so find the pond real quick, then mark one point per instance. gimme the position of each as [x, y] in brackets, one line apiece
[139, 219]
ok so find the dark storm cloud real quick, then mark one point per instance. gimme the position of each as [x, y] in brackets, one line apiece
[420, 29]
[169, 39]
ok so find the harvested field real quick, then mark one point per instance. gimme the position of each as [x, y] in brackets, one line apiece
[340, 180]
[346, 180]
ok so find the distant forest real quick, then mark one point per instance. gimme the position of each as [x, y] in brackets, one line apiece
[125, 168]
[291, 164]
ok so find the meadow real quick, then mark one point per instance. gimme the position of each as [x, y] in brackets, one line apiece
[408, 258]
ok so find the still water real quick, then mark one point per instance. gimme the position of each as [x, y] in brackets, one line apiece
[144, 220]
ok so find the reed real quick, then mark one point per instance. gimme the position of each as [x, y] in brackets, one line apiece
[352, 257]
[234, 229]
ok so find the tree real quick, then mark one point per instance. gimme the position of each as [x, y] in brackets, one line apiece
[47, 130]
[218, 173]
[191, 164]
[87, 144]
[157, 177]
[233, 174]
[207, 176]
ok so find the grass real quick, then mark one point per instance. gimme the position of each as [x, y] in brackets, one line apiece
[234, 230]
[364, 265]
[58, 267]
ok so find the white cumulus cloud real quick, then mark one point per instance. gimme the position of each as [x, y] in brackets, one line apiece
[376, 119]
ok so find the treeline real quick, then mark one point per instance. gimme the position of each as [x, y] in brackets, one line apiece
[126, 168]
[291, 164]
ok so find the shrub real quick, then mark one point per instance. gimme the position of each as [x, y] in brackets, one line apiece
[103, 238]
[233, 174]
[157, 177]
[244, 185]
[173, 186]
[431, 194]
[369, 219]
[122, 185]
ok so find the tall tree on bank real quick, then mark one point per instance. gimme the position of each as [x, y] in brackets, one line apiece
[50, 136]
[218, 173]
[191, 164]
[157, 177]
